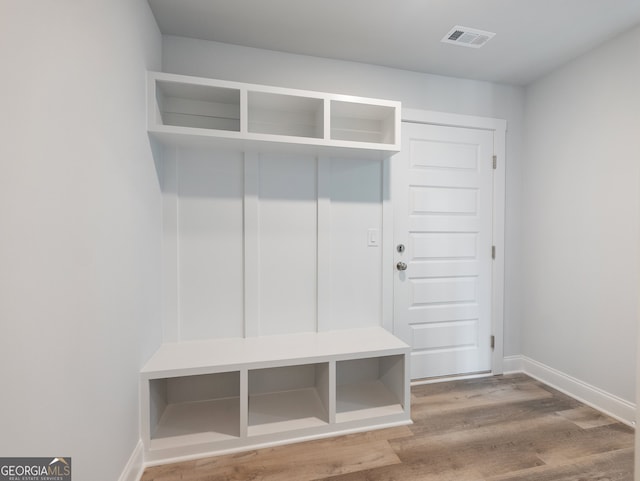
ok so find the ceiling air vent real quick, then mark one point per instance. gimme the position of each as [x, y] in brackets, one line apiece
[467, 37]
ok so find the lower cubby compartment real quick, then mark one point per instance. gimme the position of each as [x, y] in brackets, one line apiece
[194, 409]
[370, 387]
[288, 398]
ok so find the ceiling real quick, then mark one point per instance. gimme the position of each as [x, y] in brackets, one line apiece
[532, 36]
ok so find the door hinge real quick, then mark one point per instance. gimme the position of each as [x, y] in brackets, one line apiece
[493, 342]
[493, 252]
[495, 161]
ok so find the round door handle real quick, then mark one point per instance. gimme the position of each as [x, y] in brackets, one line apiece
[401, 266]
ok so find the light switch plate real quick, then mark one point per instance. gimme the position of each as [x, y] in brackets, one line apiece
[373, 237]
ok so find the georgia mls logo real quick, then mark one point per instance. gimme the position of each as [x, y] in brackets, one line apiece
[62, 461]
[35, 469]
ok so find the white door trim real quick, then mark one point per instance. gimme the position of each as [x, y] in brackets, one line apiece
[499, 127]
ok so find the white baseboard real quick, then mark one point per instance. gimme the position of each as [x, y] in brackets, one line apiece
[603, 401]
[512, 364]
[135, 466]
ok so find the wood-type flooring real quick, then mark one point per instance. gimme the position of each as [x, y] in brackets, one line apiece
[502, 428]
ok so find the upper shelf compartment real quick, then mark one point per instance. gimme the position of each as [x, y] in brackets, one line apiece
[192, 110]
[278, 114]
[363, 122]
[197, 106]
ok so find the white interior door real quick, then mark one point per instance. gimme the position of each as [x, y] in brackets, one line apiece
[442, 194]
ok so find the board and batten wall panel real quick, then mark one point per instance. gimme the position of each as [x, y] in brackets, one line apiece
[287, 244]
[356, 267]
[248, 252]
[210, 240]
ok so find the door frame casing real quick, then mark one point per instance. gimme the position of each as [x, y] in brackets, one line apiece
[499, 128]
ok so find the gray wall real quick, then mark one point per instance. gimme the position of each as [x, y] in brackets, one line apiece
[580, 217]
[81, 230]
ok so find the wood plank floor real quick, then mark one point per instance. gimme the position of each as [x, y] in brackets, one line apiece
[503, 428]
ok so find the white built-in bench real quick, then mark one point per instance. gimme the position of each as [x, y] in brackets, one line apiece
[215, 396]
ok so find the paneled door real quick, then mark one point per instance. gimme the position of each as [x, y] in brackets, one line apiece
[442, 196]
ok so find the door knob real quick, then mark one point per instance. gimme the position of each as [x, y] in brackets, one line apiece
[401, 266]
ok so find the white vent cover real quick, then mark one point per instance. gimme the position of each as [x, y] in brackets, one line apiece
[467, 37]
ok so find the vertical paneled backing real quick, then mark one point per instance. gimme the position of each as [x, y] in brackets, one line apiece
[266, 243]
[288, 244]
[356, 267]
[210, 244]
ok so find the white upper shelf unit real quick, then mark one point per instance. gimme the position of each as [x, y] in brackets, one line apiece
[191, 110]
